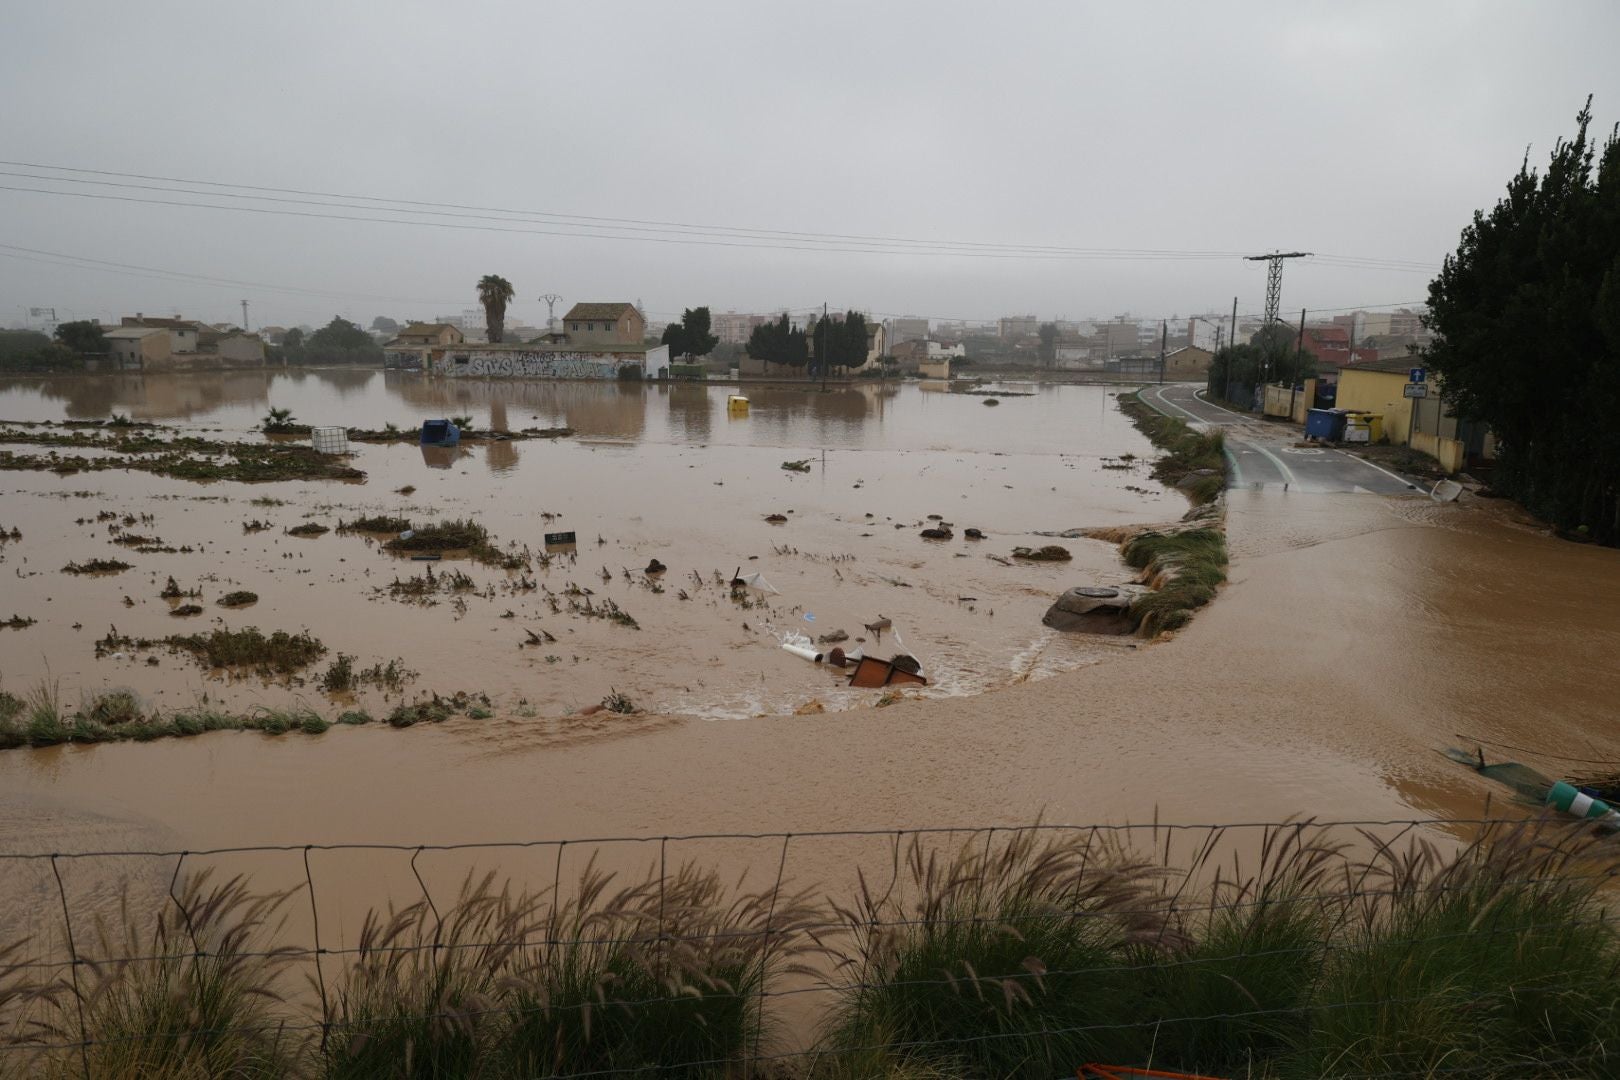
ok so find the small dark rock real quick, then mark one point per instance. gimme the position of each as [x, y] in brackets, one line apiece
[973, 534]
[655, 567]
[937, 534]
[1049, 553]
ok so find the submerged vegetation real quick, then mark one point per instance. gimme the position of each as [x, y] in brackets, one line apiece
[184, 457]
[1014, 955]
[442, 537]
[41, 718]
[96, 566]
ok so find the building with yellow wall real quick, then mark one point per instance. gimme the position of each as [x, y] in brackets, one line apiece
[1380, 387]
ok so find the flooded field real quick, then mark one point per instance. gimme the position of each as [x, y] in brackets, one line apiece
[656, 473]
[1359, 636]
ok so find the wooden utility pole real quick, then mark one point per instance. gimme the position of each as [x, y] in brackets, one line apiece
[1164, 337]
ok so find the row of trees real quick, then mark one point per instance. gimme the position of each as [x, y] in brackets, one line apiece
[1272, 356]
[1527, 318]
[834, 342]
[32, 351]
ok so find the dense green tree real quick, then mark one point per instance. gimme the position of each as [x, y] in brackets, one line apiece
[779, 343]
[1250, 365]
[1048, 334]
[382, 324]
[83, 337]
[338, 342]
[675, 338]
[690, 336]
[494, 292]
[1526, 314]
[29, 350]
[839, 341]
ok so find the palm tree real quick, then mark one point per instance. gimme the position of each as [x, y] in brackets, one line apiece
[494, 292]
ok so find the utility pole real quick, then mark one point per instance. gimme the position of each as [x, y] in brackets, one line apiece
[1164, 338]
[551, 299]
[245, 325]
[1293, 381]
[826, 341]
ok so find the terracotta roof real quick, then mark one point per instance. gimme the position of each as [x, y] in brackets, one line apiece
[417, 329]
[610, 312]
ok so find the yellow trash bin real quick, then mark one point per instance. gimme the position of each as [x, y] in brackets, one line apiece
[1375, 427]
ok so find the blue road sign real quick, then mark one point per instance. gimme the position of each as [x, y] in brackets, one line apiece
[1419, 375]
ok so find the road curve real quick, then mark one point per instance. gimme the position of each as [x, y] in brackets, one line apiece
[1265, 454]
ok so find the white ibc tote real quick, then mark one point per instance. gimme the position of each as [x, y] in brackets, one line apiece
[331, 440]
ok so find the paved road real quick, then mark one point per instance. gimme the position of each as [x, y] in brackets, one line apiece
[1263, 454]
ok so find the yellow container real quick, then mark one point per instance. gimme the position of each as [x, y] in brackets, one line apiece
[1375, 427]
[736, 403]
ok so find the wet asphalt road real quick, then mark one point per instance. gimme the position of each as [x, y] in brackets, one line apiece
[1264, 454]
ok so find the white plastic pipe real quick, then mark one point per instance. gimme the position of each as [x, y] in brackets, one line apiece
[803, 653]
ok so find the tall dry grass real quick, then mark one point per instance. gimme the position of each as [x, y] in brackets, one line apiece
[1308, 953]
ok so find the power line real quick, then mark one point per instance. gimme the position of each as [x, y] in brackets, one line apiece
[683, 232]
[133, 270]
[610, 222]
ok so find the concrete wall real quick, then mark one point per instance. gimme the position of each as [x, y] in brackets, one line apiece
[241, 349]
[1305, 402]
[475, 362]
[1448, 452]
[135, 353]
[1381, 392]
[935, 369]
[1279, 401]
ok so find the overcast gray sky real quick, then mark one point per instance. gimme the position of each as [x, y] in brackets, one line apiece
[1369, 130]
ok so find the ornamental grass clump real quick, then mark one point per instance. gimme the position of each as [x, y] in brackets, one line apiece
[1001, 959]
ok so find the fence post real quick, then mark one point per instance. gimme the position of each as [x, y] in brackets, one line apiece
[765, 952]
[73, 966]
[320, 973]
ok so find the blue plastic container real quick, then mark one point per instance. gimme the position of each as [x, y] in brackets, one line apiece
[1325, 424]
[440, 433]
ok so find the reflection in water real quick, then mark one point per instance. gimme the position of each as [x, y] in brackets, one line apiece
[500, 456]
[443, 457]
[689, 410]
[1074, 420]
[603, 410]
[156, 397]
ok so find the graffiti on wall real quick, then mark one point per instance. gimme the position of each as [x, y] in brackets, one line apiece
[521, 364]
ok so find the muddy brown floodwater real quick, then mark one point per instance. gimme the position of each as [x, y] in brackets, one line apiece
[1358, 636]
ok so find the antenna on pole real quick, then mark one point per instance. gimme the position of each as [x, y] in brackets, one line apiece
[551, 299]
[1274, 265]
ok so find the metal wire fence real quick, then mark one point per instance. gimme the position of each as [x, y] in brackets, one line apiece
[927, 946]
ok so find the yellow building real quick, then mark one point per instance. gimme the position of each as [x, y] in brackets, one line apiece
[1380, 387]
